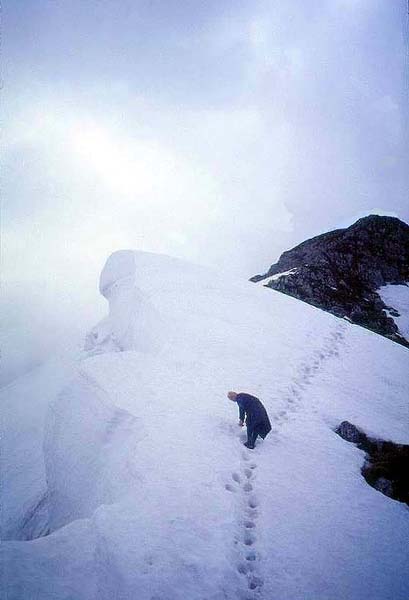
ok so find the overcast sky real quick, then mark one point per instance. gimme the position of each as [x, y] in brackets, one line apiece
[224, 131]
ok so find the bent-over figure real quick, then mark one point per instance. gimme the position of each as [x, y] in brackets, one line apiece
[253, 413]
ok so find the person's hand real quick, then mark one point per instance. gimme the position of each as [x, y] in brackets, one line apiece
[241, 423]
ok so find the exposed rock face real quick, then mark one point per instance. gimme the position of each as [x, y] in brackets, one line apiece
[341, 270]
[384, 486]
[350, 433]
[386, 466]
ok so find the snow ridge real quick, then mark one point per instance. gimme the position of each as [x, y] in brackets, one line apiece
[151, 494]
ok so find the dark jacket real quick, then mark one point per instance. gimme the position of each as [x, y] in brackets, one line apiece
[255, 413]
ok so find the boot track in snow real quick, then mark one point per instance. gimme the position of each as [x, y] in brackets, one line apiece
[246, 553]
[306, 372]
[243, 481]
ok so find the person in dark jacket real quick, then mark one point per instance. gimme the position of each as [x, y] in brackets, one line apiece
[252, 411]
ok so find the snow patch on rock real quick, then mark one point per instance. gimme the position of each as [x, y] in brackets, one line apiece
[396, 298]
[278, 276]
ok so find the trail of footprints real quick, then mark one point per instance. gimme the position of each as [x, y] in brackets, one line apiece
[245, 541]
[242, 483]
[292, 396]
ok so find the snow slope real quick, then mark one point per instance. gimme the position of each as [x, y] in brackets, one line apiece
[135, 461]
[397, 298]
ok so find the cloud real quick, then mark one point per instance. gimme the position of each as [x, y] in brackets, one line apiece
[165, 188]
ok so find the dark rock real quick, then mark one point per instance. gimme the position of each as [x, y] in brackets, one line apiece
[385, 486]
[350, 432]
[386, 465]
[341, 270]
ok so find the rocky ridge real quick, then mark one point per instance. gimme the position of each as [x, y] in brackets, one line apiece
[340, 271]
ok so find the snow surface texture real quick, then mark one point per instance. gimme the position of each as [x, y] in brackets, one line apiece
[397, 297]
[131, 458]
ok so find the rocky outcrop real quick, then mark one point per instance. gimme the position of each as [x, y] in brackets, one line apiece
[350, 433]
[386, 466]
[340, 271]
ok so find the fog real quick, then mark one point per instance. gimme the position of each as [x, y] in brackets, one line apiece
[221, 132]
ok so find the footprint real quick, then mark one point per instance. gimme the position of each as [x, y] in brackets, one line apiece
[229, 487]
[253, 503]
[248, 473]
[247, 487]
[236, 477]
[249, 524]
[249, 538]
[251, 556]
[255, 582]
[252, 465]
[244, 456]
[244, 568]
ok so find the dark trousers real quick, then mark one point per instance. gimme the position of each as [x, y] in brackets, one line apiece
[252, 435]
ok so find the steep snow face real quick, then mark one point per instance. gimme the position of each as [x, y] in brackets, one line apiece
[396, 297]
[145, 487]
[24, 406]
[133, 321]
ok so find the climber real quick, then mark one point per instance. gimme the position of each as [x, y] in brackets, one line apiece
[253, 411]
